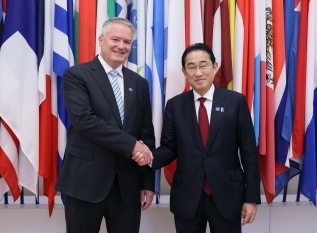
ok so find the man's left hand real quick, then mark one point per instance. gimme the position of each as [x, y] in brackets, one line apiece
[248, 213]
[146, 198]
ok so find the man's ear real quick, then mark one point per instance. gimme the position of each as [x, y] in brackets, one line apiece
[100, 39]
[183, 70]
[215, 67]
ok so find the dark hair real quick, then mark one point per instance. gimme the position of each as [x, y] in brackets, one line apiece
[198, 47]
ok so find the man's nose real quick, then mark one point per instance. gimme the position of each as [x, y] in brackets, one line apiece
[120, 44]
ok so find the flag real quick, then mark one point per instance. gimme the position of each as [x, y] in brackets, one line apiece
[291, 20]
[141, 33]
[48, 156]
[266, 141]
[19, 83]
[9, 164]
[217, 37]
[121, 8]
[238, 46]
[1, 21]
[299, 117]
[154, 71]
[111, 8]
[86, 30]
[102, 16]
[133, 56]
[175, 80]
[279, 81]
[63, 46]
[259, 51]
[232, 15]
[308, 177]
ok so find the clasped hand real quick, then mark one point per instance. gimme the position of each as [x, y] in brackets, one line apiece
[142, 154]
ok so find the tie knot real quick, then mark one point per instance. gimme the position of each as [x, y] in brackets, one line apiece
[202, 100]
[113, 73]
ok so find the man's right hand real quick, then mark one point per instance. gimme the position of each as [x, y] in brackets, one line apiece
[142, 154]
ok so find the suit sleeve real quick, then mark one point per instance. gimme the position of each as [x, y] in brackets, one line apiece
[249, 154]
[147, 136]
[166, 153]
[85, 121]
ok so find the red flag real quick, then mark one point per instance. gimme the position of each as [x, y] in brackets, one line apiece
[87, 30]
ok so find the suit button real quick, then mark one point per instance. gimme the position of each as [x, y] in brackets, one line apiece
[205, 156]
[202, 177]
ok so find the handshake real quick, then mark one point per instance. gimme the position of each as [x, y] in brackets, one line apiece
[142, 154]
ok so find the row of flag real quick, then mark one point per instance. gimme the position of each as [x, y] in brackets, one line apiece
[265, 50]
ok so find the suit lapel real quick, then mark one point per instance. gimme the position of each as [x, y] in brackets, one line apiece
[189, 113]
[102, 79]
[219, 106]
[129, 96]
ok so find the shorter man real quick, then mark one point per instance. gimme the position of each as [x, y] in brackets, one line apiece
[206, 129]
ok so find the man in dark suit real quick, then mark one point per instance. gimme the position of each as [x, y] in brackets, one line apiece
[206, 129]
[110, 110]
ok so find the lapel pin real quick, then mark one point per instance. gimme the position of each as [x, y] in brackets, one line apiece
[130, 89]
[222, 109]
[217, 109]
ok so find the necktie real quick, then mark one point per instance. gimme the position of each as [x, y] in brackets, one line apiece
[204, 131]
[117, 92]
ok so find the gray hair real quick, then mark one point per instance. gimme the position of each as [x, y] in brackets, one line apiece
[117, 20]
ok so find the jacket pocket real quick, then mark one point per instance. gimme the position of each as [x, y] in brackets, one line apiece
[236, 175]
[80, 153]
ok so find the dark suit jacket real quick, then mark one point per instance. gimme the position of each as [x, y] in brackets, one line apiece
[230, 129]
[98, 145]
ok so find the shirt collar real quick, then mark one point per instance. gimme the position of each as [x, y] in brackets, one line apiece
[108, 68]
[209, 94]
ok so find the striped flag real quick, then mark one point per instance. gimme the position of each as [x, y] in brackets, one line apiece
[217, 36]
[232, 16]
[63, 58]
[1, 21]
[266, 141]
[154, 71]
[279, 80]
[308, 177]
[238, 46]
[111, 8]
[19, 83]
[121, 8]
[291, 20]
[86, 30]
[76, 31]
[141, 33]
[298, 136]
[48, 166]
[175, 80]
[243, 80]
[259, 58]
[133, 56]
[102, 16]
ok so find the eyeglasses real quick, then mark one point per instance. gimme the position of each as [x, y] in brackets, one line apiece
[202, 68]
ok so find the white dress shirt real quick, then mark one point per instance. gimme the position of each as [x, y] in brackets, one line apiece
[208, 102]
[120, 74]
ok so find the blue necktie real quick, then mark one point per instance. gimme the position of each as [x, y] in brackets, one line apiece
[117, 92]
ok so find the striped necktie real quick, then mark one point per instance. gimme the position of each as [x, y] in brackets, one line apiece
[117, 92]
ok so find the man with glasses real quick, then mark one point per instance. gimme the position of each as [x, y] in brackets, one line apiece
[209, 131]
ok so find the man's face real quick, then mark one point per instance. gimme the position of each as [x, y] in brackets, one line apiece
[199, 71]
[116, 44]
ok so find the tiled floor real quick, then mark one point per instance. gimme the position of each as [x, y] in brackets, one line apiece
[289, 217]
